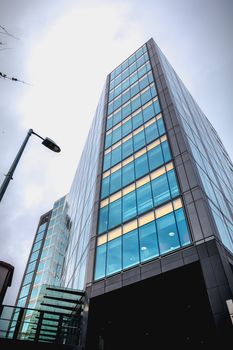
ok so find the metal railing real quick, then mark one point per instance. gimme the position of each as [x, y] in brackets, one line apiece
[39, 325]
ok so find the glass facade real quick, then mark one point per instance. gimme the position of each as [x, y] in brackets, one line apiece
[46, 259]
[81, 201]
[212, 161]
[141, 215]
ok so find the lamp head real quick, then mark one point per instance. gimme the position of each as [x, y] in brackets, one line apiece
[51, 145]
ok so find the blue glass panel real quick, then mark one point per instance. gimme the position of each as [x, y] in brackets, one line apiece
[161, 127]
[129, 206]
[116, 135]
[125, 84]
[182, 227]
[116, 156]
[151, 132]
[34, 256]
[117, 117]
[137, 120]
[157, 107]
[139, 140]
[153, 91]
[132, 68]
[134, 90]
[136, 104]
[144, 82]
[173, 183]
[115, 181]
[114, 261]
[144, 198]
[114, 213]
[150, 77]
[124, 65]
[100, 262]
[142, 71]
[130, 249]
[155, 157]
[31, 267]
[110, 108]
[111, 95]
[126, 111]
[117, 103]
[109, 123]
[127, 148]
[108, 140]
[146, 96]
[118, 90]
[133, 78]
[140, 61]
[103, 219]
[148, 113]
[166, 151]
[107, 161]
[124, 74]
[128, 174]
[126, 128]
[131, 59]
[125, 96]
[148, 242]
[167, 233]
[141, 166]
[160, 189]
[28, 278]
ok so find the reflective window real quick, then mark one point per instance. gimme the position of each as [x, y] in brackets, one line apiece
[28, 278]
[114, 263]
[129, 206]
[128, 174]
[155, 157]
[34, 256]
[103, 219]
[148, 241]
[31, 267]
[105, 187]
[100, 261]
[182, 227]
[160, 189]
[144, 198]
[139, 140]
[115, 213]
[141, 166]
[152, 132]
[127, 148]
[115, 182]
[130, 249]
[167, 233]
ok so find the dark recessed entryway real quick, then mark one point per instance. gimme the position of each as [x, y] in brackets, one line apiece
[171, 309]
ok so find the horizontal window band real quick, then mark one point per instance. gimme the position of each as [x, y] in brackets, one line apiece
[130, 117]
[142, 181]
[144, 54]
[130, 100]
[140, 221]
[133, 133]
[135, 156]
[130, 86]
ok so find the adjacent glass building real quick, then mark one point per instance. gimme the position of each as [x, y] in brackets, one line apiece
[150, 213]
[47, 254]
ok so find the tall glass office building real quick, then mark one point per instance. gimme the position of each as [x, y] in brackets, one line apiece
[151, 234]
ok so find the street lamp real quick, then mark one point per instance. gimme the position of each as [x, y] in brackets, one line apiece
[9, 176]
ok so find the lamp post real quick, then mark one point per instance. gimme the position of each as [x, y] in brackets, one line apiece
[9, 176]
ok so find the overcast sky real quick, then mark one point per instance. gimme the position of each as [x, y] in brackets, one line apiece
[65, 50]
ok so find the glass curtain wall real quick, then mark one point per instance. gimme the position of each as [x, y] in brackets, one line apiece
[141, 215]
[212, 161]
